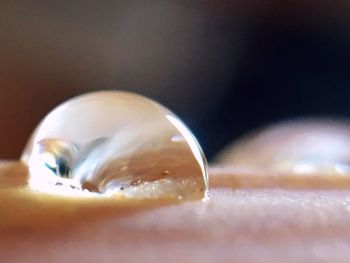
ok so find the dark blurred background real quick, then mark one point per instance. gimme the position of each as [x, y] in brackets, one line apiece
[225, 67]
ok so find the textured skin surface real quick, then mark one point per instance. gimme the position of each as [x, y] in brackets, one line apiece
[237, 224]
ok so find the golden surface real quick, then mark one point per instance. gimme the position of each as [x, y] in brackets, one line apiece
[239, 223]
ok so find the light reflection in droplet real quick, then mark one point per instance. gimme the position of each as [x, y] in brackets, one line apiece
[115, 143]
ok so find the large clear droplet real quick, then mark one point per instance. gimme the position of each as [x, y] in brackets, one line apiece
[115, 143]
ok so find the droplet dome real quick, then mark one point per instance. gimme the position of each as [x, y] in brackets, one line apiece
[114, 142]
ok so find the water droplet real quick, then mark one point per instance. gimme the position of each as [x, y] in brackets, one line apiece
[115, 143]
[300, 147]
